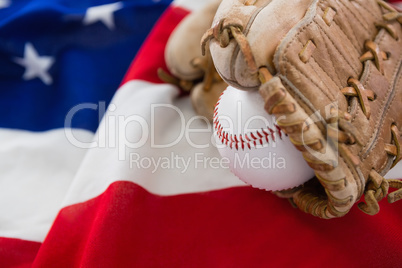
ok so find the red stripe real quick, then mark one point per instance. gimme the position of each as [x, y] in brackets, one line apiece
[151, 55]
[17, 253]
[239, 227]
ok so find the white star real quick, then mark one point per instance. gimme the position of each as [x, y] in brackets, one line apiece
[35, 65]
[103, 13]
[5, 3]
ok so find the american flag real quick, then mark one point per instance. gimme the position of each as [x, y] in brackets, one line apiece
[98, 163]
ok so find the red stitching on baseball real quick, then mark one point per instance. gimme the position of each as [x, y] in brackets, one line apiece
[233, 141]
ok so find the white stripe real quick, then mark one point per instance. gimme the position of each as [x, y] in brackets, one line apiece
[113, 159]
[190, 5]
[119, 154]
[399, 5]
[37, 169]
[395, 172]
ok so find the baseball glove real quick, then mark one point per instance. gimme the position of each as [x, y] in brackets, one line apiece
[331, 73]
[191, 71]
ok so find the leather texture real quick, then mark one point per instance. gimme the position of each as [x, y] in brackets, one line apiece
[183, 45]
[191, 70]
[337, 84]
[265, 24]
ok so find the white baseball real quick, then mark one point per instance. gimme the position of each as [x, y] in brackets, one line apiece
[258, 152]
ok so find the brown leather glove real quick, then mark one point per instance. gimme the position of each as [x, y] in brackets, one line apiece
[190, 69]
[331, 71]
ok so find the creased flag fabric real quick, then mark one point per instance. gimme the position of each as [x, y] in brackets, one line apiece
[58, 54]
[105, 165]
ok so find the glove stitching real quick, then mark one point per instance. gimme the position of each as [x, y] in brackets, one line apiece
[252, 139]
[354, 12]
[374, 144]
[353, 41]
[314, 67]
[367, 10]
[363, 4]
[286, 60]
[349, 27]
[380, 123]
[308, 78]
[363, 153]
[355, 169]
[339, 84]
[357, 179]
[345, 57]
[329, 77]
[385, 164]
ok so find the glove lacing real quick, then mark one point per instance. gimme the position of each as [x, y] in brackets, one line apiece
[377, 187]
[209, 78]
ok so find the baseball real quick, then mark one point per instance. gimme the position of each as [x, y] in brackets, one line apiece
[258, 152]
